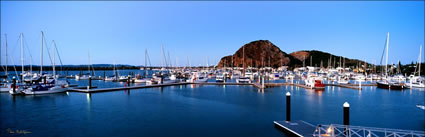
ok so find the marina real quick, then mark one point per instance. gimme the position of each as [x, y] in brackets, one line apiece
[212, 69]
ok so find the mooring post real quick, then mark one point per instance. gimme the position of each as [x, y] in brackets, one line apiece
[14, 85]
[262, 82]
[346, 113]
[346, 117]
[288, 106]
[128, 81]
[89, 82]
[104, 74]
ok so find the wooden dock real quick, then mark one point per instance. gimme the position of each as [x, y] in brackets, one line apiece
[255, 84]
[126, 88]
[345, 86]
[221, 83]
[300, 85]
[296, 128]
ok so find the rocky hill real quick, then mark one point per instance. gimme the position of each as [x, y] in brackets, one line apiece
[317, 58]
[263, 53]
[260, 53]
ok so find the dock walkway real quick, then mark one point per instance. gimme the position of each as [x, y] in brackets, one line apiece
[126, 88]
[257, 85]
[296, 128]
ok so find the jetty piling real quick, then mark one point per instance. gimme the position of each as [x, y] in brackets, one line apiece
[89, 87]
[346, 119]
[346, 108]
[288, 106]
[128, 81]
[14, 85]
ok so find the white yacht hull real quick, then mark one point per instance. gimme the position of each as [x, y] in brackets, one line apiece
[56, 89]
[140, 80]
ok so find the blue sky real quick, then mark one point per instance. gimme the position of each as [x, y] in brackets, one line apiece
[120, 31]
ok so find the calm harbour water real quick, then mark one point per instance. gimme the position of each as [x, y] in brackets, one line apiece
[208, 110]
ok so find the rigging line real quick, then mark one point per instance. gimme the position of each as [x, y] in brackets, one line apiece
[15, 46]
[28, 50]
[13, 50]
[16, 72]
[48, 50]
[383, 52]
[60, 60]
[149, 60]
[4, 69]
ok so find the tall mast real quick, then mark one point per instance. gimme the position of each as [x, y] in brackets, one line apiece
[163, 56]
[22, 52]
[311, 61]
[5, 43]
[54, 64]
[386, 57]
[243, 60]
[146, 71]
[41, 55]
[420, 60]
[330, 62]
[89, 61]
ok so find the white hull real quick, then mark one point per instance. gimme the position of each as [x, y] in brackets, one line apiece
[140, 80]
[169, 81]
[201, 80]
[17, 91]
[243, 81]
[415, 85]
[56, 89]
[342, 82]
[5, 89]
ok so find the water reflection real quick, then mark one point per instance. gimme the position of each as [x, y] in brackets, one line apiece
[88, 98]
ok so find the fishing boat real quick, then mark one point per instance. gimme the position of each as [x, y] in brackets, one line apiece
[220, 77]
[243, 80]
[389, 85]
[197, 77]
[314, 83]
[342, 80]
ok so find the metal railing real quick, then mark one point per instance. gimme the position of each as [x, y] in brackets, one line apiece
[336, 130]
